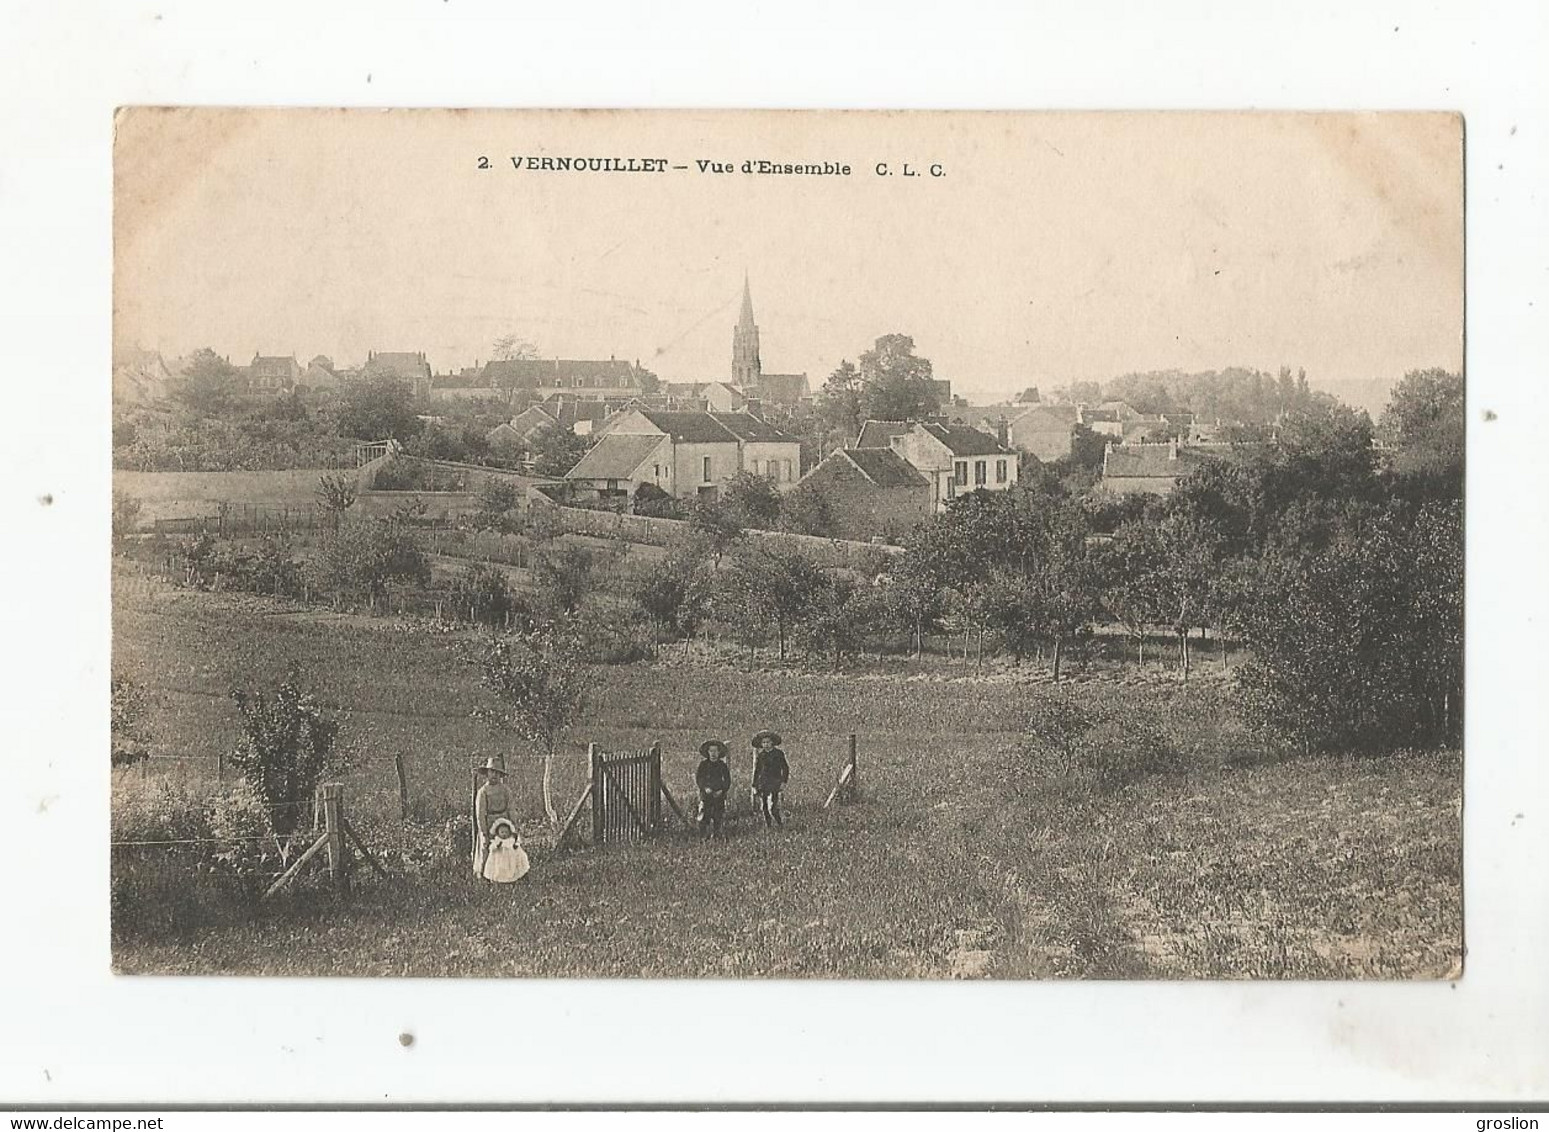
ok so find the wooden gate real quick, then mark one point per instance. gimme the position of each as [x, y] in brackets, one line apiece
[627, 804]
[626, 792]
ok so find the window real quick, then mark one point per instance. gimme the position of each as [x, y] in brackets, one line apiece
[788, 476]
[707, 470]
[960, 473]
[981, 472]
[1000, 471]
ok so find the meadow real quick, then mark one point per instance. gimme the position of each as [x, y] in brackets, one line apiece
[1118, 825]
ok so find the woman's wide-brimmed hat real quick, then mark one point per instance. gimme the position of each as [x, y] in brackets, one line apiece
[762, 735]
[494, 763]
[704, 748]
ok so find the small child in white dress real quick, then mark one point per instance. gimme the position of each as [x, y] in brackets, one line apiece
[506, 860]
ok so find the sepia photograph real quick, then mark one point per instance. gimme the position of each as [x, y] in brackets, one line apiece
[939, 545]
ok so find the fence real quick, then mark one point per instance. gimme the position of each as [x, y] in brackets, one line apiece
[248, 518]
[626, 793]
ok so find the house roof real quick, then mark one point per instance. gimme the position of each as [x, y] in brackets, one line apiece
[964, 441]
[1049, 416]
[783, 386]
[883, 467]
[1152, 461]
[879, 434]
[276, 366]
[690, 428]
[399, 364]
[531, 372]
[615, 457]
[747, 427]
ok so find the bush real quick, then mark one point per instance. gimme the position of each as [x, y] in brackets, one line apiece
[613, 636]
[126, 721]
[286, 746]
[481, 593]
[168, 891]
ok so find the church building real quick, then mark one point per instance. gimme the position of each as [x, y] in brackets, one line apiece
[747, 369]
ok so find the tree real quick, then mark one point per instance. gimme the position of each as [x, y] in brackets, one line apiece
[764, 586]
[126, 516]
[484, 594]
[497, 498]
[649, 383]
[752, 500]
[836, 616]
[557, 449]
[512, 347]
[539, 681]
[209, 382]
[896, 383]
[563, 575]
[840, 403]
[285, 747]
[806, 510]
[1424, 420]
[378, 408]
[1359, 645]
[364, 558]
[336, 494]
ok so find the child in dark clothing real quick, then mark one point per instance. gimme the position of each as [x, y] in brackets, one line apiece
[713, 778]
[770, 774]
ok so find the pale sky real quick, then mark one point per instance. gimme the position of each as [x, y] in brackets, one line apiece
[1056, 247]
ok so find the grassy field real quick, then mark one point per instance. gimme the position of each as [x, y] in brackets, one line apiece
[1118, 826]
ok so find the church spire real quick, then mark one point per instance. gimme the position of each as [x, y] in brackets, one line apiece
[747, 304]
[745, 366]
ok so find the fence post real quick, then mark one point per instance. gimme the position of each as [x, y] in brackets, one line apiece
[220, 766]
[332, 796]
[654, 790]
[403, 785]
[594, 758]
[855, 770]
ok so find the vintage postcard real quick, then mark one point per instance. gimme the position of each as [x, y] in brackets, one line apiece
[787, 544]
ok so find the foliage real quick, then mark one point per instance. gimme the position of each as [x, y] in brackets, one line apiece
[378, 407]
[1424, 420]
[557, 449]
[126, 516]
[366, 557]
[405, 473]
[499, 499]
[209, 382]
[285, 749]
[336, 494]
[538, 679]
[841, 401]
[806, 510]
[482, 593]
[896, 383]
[751, 500]
[126, 721]
[563, 576]
[1359, 644]
[765, 586]
[655, 503]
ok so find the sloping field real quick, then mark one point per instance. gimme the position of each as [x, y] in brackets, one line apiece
[1007, 829]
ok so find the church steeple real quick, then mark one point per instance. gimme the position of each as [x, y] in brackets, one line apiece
[745, 366]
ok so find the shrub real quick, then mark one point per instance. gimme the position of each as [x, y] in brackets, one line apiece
[612, 636]
[481, 593]
[126, 516]
[286, 746]
[126, 721]
[168, 891]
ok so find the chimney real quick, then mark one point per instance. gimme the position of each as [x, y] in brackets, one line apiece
[1001, 432]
